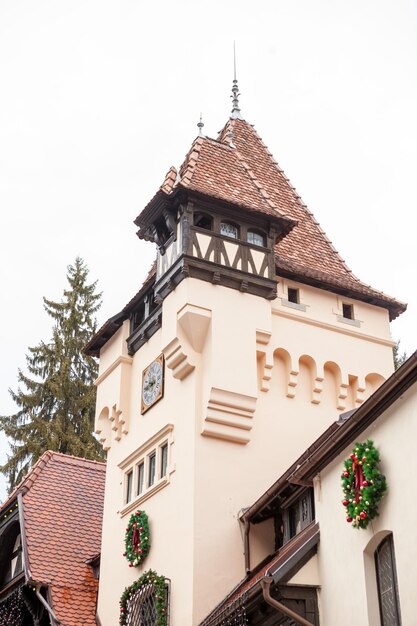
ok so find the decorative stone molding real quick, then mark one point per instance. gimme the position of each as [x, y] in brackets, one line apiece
[194, 321]
[263, 338]
[228, 416]
[292, 383]
[317, 389]
[192, 325]
[177, 360]
[113, 394]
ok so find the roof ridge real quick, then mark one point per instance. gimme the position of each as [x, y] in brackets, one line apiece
[256, 182]
[300, 201]
[77, 460]
[187, 168]
[30, 478]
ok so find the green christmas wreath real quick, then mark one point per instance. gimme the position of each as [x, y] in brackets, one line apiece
[137, 538]
[158, 588]
[363, 485]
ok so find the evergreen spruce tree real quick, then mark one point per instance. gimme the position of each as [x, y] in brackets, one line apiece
[57, 399]
[399, 359]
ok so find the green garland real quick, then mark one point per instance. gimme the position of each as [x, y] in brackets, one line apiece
[363, 485]
[137, 539]
[158, 583]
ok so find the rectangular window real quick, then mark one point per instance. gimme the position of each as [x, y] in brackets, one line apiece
[293, 295]
[389, 605]
[298, 514]
[151, 469]
[147, 469]
[141, 477]
[164, 459]
[129, 481]
[347, 311]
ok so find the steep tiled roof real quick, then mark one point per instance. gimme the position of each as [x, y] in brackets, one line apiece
[305, 252]
[217, 170]
[63, 509]
[237, 168]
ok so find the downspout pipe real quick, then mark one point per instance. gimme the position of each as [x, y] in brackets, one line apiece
[246, 545]
[26, 566]
[266, 582]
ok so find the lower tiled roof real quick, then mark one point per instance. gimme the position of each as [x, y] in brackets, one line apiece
[63, 509]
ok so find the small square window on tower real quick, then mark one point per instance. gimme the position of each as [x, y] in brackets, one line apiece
[347, 311]
[293, 295]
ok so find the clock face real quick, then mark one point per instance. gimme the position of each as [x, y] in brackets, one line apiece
[152, 383]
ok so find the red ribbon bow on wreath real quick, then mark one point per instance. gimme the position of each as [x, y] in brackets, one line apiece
[359, 477]
[135, 538]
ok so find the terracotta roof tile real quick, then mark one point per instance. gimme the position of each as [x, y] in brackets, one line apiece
[63, 508]
[244, 172]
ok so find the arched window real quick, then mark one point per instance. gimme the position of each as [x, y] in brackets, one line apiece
[386, 576]
[203, 220]
[256, 238]
[229, 230]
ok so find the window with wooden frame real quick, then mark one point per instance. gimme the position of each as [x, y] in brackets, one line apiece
[386, 576]
[228, 229]
[297, 513]
[203, 220]
[147, 469]
[256, 238]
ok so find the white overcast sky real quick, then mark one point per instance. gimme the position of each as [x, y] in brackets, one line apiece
[99, 98]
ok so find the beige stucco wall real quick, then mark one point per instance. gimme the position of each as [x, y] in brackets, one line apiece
[346, 561]
[249, 384]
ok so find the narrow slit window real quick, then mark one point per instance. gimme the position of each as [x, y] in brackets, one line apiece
[129, 482]
[164, 459]
[293, 295]
[151, 469]
[347, 311]
[141, 477]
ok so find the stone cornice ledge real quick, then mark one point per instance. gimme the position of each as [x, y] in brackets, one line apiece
[121, 359]
[336, 329]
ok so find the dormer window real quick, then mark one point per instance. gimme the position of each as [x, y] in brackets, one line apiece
[229, 230]
[203, 220]
[298, 514]
[256, 238]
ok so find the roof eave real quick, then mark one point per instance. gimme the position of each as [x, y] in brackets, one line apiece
[394, 307]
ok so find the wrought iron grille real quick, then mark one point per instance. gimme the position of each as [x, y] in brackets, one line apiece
[387, 583]
[141, 608]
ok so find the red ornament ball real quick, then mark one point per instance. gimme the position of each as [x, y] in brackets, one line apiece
[346, 474]
[363, 514]
[365, 483]
[348, 519]
[345, 502]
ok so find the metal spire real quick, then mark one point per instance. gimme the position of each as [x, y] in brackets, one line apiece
[200, 126]
[235, 90]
